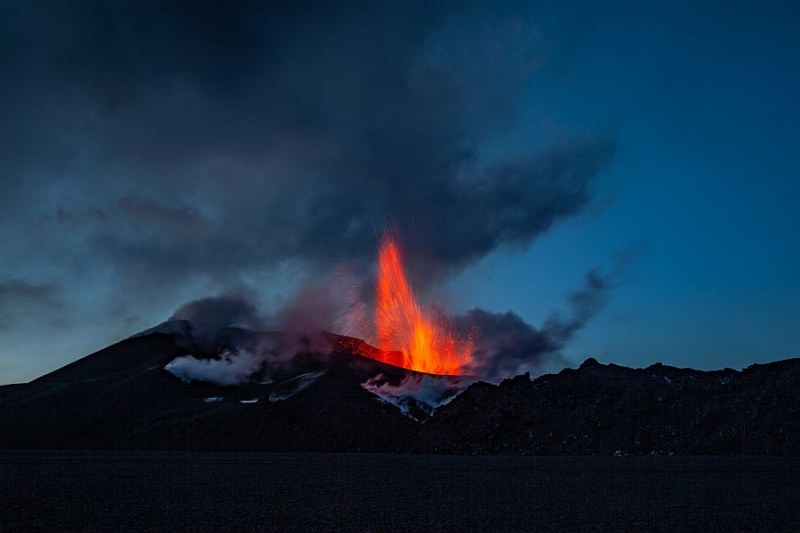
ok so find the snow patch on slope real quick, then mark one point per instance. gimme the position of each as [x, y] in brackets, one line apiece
[423, 392]
[290, 387]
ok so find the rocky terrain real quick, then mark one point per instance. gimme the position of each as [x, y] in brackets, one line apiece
[123, 398]
[608, 409]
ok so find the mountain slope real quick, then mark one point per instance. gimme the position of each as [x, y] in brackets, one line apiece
[605, 409]
[121, 397]
[315, 399]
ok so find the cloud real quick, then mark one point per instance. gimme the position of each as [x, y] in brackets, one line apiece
[584, 303]
[162, 151]
[506, 345]
[216, 137]
[213, 313]
[24, 301]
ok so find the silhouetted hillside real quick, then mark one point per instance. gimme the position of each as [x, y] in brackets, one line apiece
[315, 400]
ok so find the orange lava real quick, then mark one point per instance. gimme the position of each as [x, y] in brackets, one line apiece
[427, 343]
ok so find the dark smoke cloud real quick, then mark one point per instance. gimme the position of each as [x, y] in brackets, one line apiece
[504, 343]
[159, 151]
[214, 313]
[507, 345]
[584, 303]
[210, 139]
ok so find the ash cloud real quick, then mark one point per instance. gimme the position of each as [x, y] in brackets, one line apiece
[211, 140]
[506, 345]
[214, 313]
[162, 151]
[584, 303]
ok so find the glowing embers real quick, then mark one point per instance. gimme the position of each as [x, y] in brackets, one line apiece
[427, 341]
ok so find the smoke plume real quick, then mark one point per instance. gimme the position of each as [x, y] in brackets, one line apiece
[506, 345]
[216, 312]
[208, 144]
[189, 147]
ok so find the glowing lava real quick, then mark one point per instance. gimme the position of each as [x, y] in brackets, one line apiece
[427, 342]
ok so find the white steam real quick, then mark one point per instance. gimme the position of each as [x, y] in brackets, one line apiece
[232, 368]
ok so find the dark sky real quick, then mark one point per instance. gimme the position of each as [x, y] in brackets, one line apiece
[157, 152]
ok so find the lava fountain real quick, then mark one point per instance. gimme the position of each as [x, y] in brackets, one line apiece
[408, 335]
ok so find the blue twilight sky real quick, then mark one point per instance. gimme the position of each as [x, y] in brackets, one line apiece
[705, 183]
[159, 152]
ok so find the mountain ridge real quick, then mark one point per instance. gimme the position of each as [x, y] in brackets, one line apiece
[334, 399]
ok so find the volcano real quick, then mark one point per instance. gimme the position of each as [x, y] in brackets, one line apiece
[336, 393]
[124, 397]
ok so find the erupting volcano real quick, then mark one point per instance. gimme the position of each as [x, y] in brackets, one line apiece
[408, 335]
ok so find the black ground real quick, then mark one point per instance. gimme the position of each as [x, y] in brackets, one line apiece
[123, 490]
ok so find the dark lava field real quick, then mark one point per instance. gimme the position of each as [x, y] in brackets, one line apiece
[201, 491]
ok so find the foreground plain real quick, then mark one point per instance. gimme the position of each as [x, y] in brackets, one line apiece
[123, 490]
